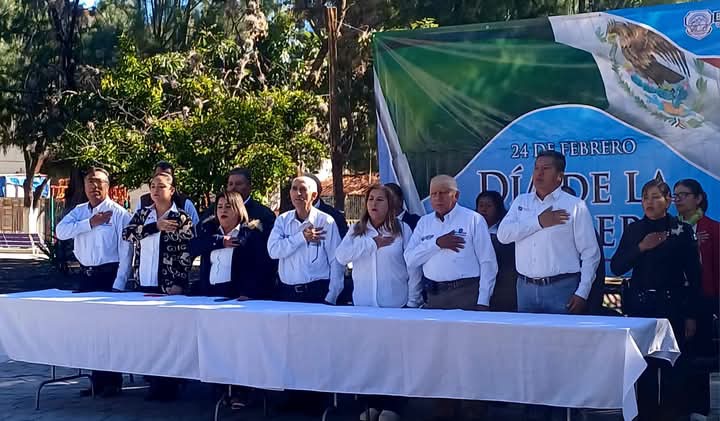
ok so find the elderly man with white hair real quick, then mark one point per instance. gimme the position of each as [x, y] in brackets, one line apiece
[453, 247]
[304, 240]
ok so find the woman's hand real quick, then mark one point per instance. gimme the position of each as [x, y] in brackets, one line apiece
[167, 225]
[652, 240]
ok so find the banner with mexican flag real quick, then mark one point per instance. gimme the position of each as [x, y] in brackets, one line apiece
[625, 95]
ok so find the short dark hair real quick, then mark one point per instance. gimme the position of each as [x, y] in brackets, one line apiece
[97, 169]
[696, 189]
[397, 191]
[241, 171]
[496, 199]
[557, 158]
[659, 184]
[165, 167]
[569, 190]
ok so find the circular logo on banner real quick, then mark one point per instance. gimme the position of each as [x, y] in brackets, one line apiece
[698, 23]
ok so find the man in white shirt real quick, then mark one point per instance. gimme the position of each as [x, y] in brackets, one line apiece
[556, 252]
[452, 246]
[304, 240]
[96, 228]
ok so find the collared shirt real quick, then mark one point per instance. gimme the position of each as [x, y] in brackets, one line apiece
[102, 244]
[188, 207]
[221, 261]
[541, 252]
[380, 276]
[301, 262]
[150, 251]
[477, 258]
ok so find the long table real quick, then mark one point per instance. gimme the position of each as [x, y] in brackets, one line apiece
[558, 360]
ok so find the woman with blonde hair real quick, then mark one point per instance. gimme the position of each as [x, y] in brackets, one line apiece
[234, 258]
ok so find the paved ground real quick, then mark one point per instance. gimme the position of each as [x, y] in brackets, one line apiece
[19, 381]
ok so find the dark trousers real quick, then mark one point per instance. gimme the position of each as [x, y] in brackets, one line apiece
[461, 294]
[664, 398]
[312, 292]
[100, 278]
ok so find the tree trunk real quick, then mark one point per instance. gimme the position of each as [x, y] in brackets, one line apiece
[336, 155]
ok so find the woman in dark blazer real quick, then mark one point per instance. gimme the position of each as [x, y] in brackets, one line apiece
[234, 260]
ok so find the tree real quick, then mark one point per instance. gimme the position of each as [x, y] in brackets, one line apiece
[193, 110]
[31, 80]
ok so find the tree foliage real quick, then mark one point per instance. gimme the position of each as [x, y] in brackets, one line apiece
[192, 109]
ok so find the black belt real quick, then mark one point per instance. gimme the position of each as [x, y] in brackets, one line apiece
[305, 288]
[100, 269]
[546, 280]
[435, 286]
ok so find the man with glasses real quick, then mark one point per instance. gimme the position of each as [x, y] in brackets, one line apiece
[96, 227]
[304, 240]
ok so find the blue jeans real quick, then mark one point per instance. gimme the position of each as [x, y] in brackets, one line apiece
[552, 298]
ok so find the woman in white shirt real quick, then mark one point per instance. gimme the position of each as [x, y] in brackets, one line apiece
[375, 246]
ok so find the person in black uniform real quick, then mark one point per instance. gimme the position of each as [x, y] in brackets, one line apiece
[490, 205]
[662, 252]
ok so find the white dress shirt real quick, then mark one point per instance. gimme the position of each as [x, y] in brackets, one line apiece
[560, 249]
[221, 261]
[380, 276]
[477, 258]
[188, 207]
[150, 251]
[301, 262]
[101, 244]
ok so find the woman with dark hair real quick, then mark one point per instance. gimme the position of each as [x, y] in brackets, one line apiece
[490, 205]
[662, 253]
[161, 233]
[691, 202]
[234, 259]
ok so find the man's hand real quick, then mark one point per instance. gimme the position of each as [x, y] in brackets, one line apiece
[381, 241]
[652, 240]
[313, 235]
[167, 225]
[481, 307]
[450, 241]
[576, 305]
[100, 218]
[175, 290]
[549, 217]
[229, 242]
[690, 328]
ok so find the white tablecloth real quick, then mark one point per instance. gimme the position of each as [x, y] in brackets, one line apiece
[567, 361]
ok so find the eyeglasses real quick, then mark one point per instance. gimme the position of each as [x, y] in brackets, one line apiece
[96, 181]
[681, 195]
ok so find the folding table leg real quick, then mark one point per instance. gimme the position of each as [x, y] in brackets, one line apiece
[225, 396]
[54, 379]
[331, 407]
